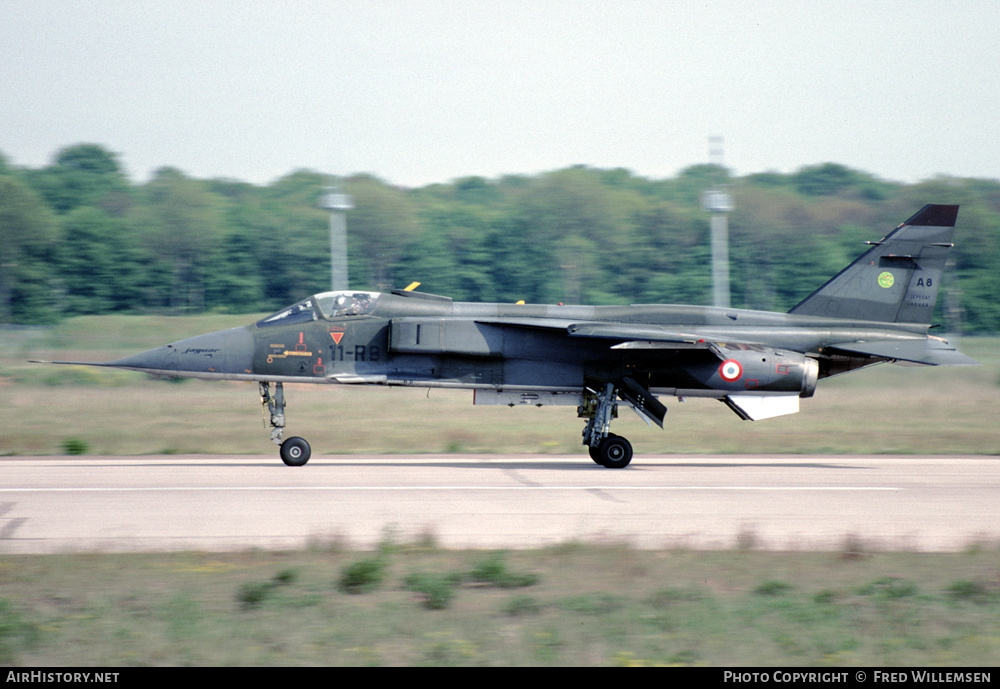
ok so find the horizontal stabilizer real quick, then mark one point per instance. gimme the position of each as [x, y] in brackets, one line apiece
[757, 407]
[932, 351]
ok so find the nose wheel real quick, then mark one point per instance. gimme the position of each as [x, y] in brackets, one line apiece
[294, 451]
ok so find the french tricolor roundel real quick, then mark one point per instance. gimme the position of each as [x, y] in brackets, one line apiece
[730, 370]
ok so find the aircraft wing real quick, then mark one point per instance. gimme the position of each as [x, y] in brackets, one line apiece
[932, 351]
[633, 336]
[529, 322]
[645, 333]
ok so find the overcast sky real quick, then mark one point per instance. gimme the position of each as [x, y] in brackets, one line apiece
[427, 91]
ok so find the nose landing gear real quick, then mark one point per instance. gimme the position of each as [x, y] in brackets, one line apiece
[294, 451]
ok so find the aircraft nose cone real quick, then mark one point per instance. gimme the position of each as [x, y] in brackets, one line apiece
[218, 354]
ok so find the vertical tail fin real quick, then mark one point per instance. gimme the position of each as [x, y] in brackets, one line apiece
[897, 280]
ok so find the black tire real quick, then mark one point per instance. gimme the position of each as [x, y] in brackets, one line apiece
[615, 452]
[595, 454]
[295, 452]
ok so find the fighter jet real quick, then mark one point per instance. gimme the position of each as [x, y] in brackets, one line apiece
[596, 358]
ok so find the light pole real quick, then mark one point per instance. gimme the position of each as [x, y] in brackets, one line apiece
[718, 203]
[338, 204]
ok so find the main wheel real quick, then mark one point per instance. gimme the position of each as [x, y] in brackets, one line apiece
[614, 452]
[595, 454]
[295, 452]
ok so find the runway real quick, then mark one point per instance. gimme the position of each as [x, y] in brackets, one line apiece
[788, 502]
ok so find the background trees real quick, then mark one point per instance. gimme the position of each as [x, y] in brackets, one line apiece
[27, 243]
[78, 237]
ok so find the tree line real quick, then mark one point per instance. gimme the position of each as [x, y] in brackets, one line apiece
[78, 237]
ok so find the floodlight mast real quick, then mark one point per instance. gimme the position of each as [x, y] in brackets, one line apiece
[718, 203]
[338, 204]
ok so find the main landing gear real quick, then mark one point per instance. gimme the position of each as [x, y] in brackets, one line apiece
[295, 451]
[606, 448]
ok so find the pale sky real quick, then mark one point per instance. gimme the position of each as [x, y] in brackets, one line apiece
[422, 91]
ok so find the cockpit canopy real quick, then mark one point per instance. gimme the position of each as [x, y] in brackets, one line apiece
[346, 303]
[339, 304]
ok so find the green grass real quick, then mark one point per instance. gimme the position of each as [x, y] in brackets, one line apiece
[585, 605]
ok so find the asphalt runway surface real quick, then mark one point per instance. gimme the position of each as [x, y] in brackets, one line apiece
[170, 503]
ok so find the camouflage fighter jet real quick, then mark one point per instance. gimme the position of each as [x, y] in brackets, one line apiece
[758, 363]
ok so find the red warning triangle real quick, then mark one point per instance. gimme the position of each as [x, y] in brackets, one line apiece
[337, 337]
